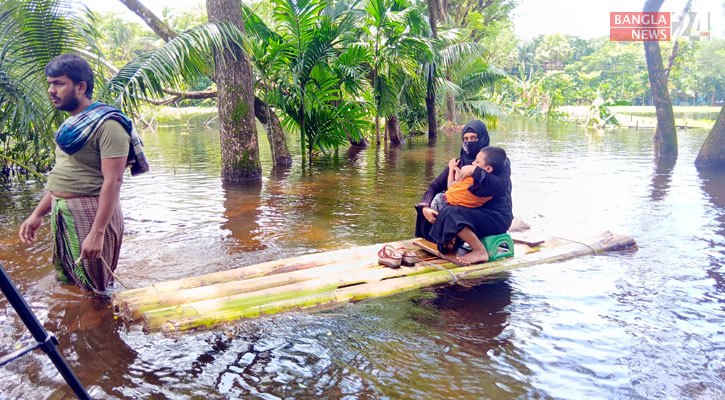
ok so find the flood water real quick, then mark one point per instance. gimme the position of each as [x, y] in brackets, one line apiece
[647, 324]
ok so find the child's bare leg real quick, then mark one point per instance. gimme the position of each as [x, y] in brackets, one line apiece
[478, 253]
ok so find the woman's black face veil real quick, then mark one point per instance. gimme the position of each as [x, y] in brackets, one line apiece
[469, 150]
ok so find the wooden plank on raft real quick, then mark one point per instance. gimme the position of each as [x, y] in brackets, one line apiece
[524, 247]
[432, 248]
[320, 280]
[531, 239]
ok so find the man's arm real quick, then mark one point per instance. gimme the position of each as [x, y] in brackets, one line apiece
[30, 226]
[112, 169]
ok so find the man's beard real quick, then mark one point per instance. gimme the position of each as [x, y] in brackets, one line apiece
[70, 104]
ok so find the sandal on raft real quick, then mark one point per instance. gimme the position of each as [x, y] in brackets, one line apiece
[389, 257]
[409, 257]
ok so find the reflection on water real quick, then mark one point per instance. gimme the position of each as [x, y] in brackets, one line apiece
[634, 325]
[661, 177]
[713, 183]
[242, 209]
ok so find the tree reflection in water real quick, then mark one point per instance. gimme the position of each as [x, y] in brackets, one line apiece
[713, 183]
[241, 211]
[662, 178]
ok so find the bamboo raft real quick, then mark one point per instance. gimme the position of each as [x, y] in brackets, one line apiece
[324, 280]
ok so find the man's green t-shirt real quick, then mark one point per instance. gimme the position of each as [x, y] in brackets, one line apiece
[80, 173]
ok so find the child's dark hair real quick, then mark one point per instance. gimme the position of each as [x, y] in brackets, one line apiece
[73, 65]
[495, 157]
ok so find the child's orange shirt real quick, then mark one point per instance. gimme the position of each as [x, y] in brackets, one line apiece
[458, 195]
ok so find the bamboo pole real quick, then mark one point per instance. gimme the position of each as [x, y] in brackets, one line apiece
[207, 315]
[323, 283]
[132, 308]
[253, 271]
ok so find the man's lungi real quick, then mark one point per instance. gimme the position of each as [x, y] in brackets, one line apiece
[72, 220]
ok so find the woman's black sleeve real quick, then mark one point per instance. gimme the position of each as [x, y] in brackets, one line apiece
[439, 184]
[494, 184]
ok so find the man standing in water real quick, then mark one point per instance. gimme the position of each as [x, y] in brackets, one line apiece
[94, 146]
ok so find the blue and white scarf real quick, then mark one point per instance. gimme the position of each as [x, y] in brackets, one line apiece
[75, 131]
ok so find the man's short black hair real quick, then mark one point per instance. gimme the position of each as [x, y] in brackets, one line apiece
[73, 65]
[495, 157]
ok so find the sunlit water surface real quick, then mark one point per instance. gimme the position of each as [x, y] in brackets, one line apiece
[644, 324]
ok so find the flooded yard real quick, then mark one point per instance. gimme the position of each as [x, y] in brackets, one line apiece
[645, 324]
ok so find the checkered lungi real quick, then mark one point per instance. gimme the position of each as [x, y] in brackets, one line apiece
[72, 220]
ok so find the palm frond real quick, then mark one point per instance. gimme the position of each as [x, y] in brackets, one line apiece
[298, 18]
[45, 30]
[351, 68]
[186, 57]
[336, 9]
[322, 87]
[318, 51]
[457, 53]
[481, 108]
[22, 109]
[332, 126]
[255, 26]
[445, 87]
[478, 80]
[387, 99]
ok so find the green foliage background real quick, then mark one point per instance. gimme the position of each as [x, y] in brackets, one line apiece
[332, 70]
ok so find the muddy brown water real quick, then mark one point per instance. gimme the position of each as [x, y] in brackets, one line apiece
[645, 324]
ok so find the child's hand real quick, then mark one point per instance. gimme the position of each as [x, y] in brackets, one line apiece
[453, 163]
[465, 172]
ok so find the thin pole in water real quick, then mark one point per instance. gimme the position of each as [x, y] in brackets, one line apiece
[44, 341]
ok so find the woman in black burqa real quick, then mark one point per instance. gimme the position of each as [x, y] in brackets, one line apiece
[468, 224]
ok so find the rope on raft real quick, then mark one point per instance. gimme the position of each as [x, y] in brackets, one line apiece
[105, 264]
[578, 242]
[455, 279]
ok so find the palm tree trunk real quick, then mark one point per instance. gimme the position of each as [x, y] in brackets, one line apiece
[238, 132]
[376, 90]
[450, 108]
[665, 137]
[385, 137]
[430, 105]
[363, 142]
[430, 98]
[377, 129]
[392, 125]
[275, 134]
[433, 17]
[155, 23]
[441, 8]
[712, 153]
[301, 114]
[281, 152]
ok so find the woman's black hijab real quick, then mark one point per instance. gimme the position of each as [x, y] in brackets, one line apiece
[469, 150]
